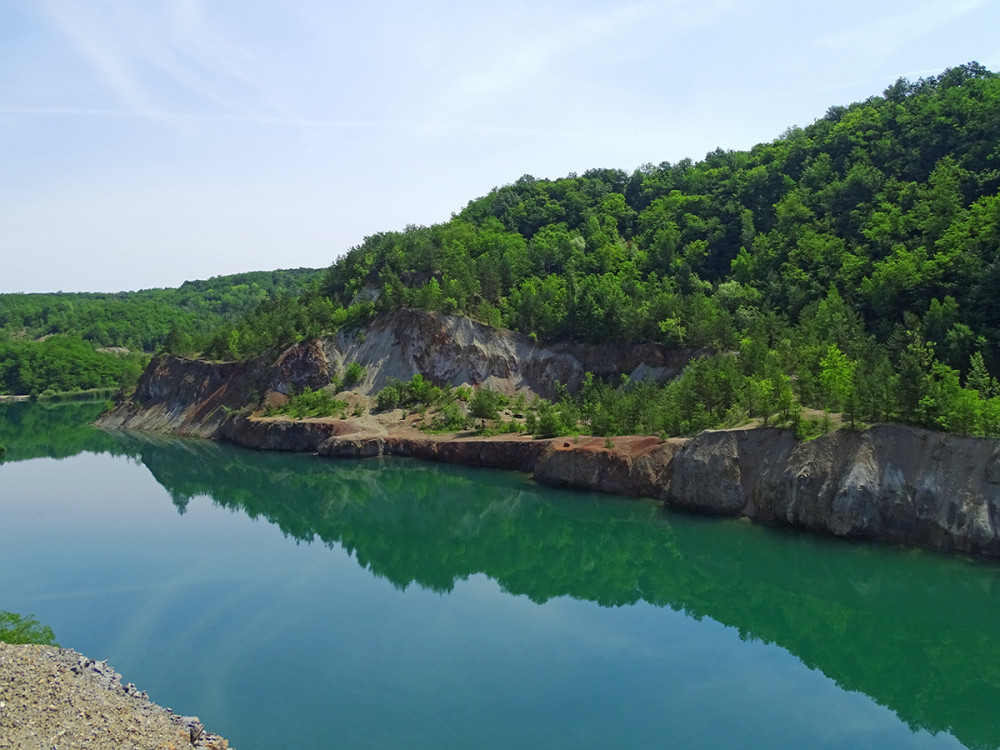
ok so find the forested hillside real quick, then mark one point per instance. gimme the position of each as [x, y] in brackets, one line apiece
[51, 341]
[852, 265]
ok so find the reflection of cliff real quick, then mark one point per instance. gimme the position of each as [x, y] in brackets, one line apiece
[914, 631]
[52, 429]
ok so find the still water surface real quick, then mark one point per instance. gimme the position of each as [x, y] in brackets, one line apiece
[297, 602]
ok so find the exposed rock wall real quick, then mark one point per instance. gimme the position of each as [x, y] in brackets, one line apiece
[891, 482]
[636, 466]
[454, 350]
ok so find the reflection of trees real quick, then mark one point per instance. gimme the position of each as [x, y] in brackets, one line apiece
[913, 630]
[52, 429]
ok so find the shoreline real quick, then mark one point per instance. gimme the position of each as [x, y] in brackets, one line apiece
[890, 483]
[91, 394]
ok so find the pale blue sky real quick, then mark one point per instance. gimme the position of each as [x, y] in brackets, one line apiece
[145, 142]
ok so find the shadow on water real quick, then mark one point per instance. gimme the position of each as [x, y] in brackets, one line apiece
[915, 631]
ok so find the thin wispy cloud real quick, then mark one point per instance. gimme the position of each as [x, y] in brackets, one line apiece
[425, 127]
[101, 49]
[887, 34]
[527, 55]
[129, 45]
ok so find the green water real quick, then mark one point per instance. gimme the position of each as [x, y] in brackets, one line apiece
[297, 602]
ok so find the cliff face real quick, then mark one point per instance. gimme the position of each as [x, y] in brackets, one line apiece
[892, 483]
[454, 350]
[198, 398]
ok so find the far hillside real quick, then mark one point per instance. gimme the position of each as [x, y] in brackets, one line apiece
[53, 342]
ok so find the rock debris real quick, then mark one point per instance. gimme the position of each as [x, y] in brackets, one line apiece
[57, 699]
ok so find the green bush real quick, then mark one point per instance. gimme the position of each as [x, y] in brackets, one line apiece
[484, 405]
[422, 391]
[15, 628]
[388, 398]
[550, 422]
[449, 418]
[353, 375]
[309, 403]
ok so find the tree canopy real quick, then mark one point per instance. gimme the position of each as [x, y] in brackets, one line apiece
[53, 342]
[857, 257]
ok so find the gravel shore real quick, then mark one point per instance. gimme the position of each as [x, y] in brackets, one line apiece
[57, 699]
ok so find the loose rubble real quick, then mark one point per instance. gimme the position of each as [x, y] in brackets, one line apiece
[57, 699]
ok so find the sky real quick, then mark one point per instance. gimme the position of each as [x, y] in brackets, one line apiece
[148, 142]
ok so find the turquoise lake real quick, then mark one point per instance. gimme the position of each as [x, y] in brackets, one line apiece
[296, 602]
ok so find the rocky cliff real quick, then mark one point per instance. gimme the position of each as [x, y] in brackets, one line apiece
[194, 397]
[892, 483]
[456, 350]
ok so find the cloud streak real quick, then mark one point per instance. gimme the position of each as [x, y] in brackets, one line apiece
[100, 49]
[131, 51]
[887, 34]
[533, 51]
[427, 127]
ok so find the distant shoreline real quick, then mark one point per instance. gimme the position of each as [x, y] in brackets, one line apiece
[87, 395]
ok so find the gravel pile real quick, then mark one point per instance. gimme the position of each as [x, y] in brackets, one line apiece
[57, 699]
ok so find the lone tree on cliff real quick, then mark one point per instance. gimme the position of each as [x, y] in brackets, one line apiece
[485, 404]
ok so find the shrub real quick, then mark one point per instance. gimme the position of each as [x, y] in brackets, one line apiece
[353, 375]
[310, 403]
[484, 405]
[388, 398]
[15, 628]
[421, 391]
[807, 428]
[449, 418]
[550, 421]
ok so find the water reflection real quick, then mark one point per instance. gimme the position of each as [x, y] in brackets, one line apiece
[913, 630]
[52, 429]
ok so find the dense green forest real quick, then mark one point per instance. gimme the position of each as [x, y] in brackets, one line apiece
[51, 342]
[850, 265]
